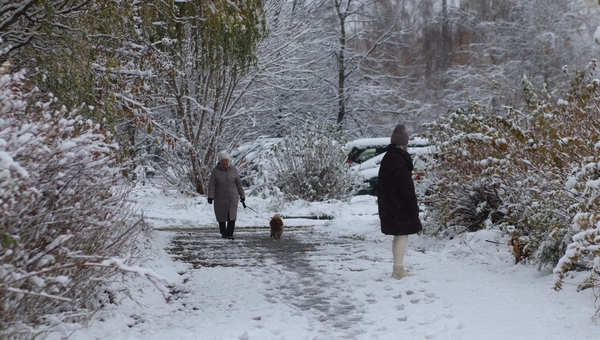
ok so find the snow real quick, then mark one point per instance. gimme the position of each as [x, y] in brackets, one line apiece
[368, 142]
[464, 288]
[383, 142]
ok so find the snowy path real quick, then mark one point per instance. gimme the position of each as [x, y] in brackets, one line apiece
[338, 286]
[329, 280]
[292, 272]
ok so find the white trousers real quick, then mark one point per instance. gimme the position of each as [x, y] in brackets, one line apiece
[399, 249]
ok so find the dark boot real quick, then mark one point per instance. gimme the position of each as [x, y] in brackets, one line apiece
[230, 228]
[222, 229]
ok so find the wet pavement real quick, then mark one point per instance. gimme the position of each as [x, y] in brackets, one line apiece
[304, 259]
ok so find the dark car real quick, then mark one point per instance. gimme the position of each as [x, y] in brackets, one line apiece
[366, 154]
[364, 149]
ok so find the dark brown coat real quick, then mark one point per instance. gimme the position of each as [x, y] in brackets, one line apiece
[396, 198]
[225, 187]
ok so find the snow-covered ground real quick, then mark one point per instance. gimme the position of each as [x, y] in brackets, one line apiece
[330, 279]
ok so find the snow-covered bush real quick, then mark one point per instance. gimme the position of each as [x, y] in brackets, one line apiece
[541, 158]
[66, 230]
[585, 249]
[309, 164]
[475, 205]
[253, 161]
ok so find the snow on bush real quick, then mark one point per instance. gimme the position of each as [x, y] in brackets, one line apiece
[65, 229]
[540, 161]
[309, 164]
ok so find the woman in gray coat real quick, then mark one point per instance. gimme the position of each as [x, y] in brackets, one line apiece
[225, 188]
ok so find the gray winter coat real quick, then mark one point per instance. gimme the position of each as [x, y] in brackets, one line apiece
[225, 187]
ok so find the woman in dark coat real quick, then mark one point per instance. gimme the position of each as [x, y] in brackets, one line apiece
[396, 198]
[225, 188]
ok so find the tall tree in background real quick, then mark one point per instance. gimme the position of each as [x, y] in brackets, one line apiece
[280, 94]
[357, 32]
[393, 65]
[482, 49]
[318, 72]
[203, 51]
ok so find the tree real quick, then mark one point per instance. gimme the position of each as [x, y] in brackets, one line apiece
[491, 44]
[284, 89]
[355, 33]
[326, 66]
[72, 49]
[203, 50]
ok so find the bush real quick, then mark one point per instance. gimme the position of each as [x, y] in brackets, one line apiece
[253, 161]
[475, 205]
[310, 165]
[530, 154]
[64, 220]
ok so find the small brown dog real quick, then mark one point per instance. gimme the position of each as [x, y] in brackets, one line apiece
[276, 227]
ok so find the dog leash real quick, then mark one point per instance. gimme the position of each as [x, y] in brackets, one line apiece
[246, 206]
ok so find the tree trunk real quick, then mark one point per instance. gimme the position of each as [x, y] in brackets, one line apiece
[342, 70]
